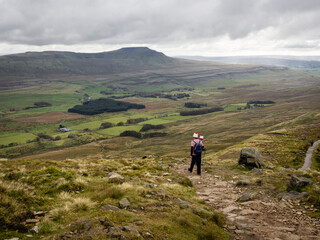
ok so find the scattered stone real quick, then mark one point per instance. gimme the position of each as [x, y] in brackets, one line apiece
[109, 208]
[124, 203]
[133, 230]
[35, 229]
[247, 196]
[115, 177]
[169, 180]
[150, 185]
[30, 221]
[148, 235]
[239, 231]
[243, 182]
[147, 175]
[251, 157]
[165, 174]
[182, 203]
[29, 236]
[105, 222]
[161, 193]
[257, 170]
[206, 211]
[296, 183]
[293, 195]
[114, 232]
[40, 213]
[81, 226]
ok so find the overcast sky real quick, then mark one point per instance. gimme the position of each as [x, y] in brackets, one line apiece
[175, 27]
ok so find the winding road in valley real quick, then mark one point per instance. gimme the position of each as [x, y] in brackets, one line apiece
[308, 160]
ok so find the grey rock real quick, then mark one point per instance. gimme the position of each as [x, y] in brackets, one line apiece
[148, 235]
[297, 183]
[293, 195]
[109, 207]
[81, 226]
[35, 229]
[114, 232]
[124, 203]
[247, 196]
[105, 222]
[115, 177]
[182, 203]
[149, 185]
[206, 211]
[251, 157]
[243, 182]
[133, 230]
[257, 170]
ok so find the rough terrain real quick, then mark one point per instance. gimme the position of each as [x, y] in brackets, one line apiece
[260, 218]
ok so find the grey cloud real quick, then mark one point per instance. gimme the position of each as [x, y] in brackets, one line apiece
[152, 21]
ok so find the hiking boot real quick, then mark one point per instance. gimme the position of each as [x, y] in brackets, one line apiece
[189, 170]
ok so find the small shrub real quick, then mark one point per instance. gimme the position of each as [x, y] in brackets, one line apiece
[71, 135]
[81, 204]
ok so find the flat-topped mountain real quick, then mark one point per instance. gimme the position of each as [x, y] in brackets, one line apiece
[40, 64]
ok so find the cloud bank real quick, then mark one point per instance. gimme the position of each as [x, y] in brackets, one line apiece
[204, 26]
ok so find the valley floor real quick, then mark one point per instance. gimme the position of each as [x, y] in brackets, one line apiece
[262, 218]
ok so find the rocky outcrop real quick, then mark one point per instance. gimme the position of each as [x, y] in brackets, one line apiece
[297, 183]
[251, 157]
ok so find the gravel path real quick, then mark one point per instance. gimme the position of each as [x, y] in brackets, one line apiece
[308, 160]
[258, 219]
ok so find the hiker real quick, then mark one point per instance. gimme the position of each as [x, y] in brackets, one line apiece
[196, 149]
[311, 142]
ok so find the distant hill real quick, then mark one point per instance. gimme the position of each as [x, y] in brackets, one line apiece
[127, 66]
[42, 64]
[301, 63]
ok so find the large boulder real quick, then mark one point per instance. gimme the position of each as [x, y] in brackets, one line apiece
[297, 183]
[251, 157]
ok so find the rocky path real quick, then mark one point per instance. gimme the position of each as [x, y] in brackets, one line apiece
[255, 219]
[308, 160]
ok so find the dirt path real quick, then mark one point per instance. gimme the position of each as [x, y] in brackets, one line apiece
[256, 219]
[308, 160]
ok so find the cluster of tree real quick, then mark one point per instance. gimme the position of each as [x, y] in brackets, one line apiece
[139, 135]
[261, 102]
[131, 134]
[39, 104]
[46, 137]
[194, 105]
[147, 127]
[102, 105]
[221, 88]
[136, 120]
[181, 89]
[201, 111]
[105, 125]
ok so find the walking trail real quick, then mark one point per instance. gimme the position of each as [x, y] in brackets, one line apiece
[308, 160]
[265, 218]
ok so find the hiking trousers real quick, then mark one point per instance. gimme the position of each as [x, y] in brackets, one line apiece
[196, 160]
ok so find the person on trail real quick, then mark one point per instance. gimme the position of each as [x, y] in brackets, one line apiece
[196, 149]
